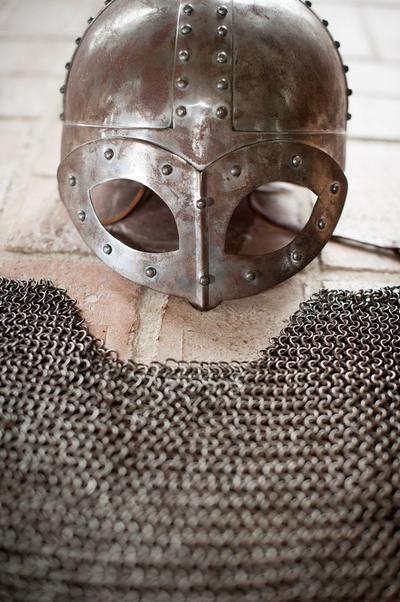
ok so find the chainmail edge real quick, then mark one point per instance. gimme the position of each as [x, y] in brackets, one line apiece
[271, 480]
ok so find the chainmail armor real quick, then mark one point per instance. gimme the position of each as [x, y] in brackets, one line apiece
[275, 480]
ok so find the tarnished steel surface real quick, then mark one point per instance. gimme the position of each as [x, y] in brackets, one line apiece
[203, 87]
[288, 75]
[122, 71]
[276, 480]
[202, 228]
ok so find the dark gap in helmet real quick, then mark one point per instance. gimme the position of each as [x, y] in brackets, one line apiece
[135, 215]
[268, 218]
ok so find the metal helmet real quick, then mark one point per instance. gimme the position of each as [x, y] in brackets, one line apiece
[183, 110]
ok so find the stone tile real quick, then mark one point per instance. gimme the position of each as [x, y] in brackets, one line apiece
[5, 8]
[6, 173]
[108, 302]
[374, 118]
[236, 330]
[48, 147]
[35, 220]
[372, 210]
[15, 138]
[152, 307]
[48, 18]
[360, 281]
[374, 78]
[384, 26]
[28, 97]
[14, 145]
[18, 57]
[347, 26]
[339, 256]
[351, 281]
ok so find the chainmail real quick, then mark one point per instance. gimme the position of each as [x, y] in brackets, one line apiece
[275, 480]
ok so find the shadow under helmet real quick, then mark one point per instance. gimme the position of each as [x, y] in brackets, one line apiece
[175, 112]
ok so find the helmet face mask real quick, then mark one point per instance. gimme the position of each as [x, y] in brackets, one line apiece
[199, 144]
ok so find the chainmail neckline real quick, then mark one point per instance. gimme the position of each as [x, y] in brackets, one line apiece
[271, 480]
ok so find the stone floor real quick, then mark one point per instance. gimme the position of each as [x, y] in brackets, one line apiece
[37, 239]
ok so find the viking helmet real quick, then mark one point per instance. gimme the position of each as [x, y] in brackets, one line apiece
[182, 110]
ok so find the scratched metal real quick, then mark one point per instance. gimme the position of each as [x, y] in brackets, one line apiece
[208, 89]
[266, 481]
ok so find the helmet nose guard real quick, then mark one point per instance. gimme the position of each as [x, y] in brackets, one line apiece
[202, 204]
[217, 109]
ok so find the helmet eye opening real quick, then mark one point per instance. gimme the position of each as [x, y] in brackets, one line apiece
[135, 215]
[269, 218]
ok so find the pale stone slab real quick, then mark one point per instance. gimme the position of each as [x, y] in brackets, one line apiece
[35, 220]
[236, 330]
[372, 210]
[5, 7]
[351, 281]
[48, 148]
[374, 118]
[108, 302]
[347, 26]
[18, 57]
[361, 282]
[28, 97]
[145, 342]
[339, 256]
[65, 19]
[375, 78]
[15, 139]
[384, 26]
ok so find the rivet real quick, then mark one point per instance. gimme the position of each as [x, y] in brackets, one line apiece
[181, 83]
[107, 249]
[90, 20]
[205, 280]
[236, 170]
[325, 22]
[349, 92]
[151, 272]
[346, 68]
[68, 66]
[297, 161]
[62, 116]
[222, 57]
[109, 154]
[167, 169]
[186, 29]
[81, 216]
[78, 41]
[201, 204]
[297, 256]
[181, 111]
[337, 44]
[222, 31]
[321, 224]
[308, 3]
[250, 276]
[222, 84]
[349, 116]
[222, 11]
[184, 56]
[335, 188]
[188, 9]
[222, 112]
[72, 180]
[62, 89]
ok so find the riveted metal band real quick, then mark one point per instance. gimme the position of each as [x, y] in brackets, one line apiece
[203, 72]
[201, 270]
